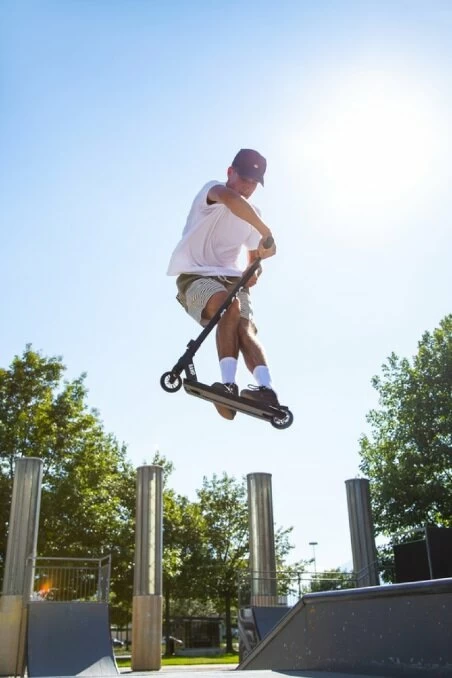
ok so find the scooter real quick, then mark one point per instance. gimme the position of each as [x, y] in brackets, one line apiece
[279, 416]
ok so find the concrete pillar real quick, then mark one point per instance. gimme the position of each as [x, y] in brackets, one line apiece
[262, 540]
[20, 552]
[147, 583]
[364, 551]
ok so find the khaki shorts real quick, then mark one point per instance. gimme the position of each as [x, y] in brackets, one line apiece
[194, 291]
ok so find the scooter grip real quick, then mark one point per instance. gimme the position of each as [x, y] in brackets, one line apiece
[268, 242]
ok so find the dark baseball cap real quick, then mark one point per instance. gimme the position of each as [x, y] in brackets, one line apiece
[250, 165]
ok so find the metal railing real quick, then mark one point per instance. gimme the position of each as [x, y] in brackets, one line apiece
[70, 579]
[286, 588]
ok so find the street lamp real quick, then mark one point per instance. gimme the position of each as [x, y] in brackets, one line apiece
[314, 544]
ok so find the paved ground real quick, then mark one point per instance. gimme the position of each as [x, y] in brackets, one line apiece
[217, 671]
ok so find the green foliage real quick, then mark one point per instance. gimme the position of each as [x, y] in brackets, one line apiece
[408, 455]
[184, 552]
[223, 506]
[283, 547]
[88, 490]
[332, 580]
[206, 548]
[167, 466]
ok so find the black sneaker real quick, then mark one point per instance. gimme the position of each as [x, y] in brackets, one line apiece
[261, 394]
[229, 389]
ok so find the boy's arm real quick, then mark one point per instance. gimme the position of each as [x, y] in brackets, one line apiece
[238, 206]
[242, 209]
[252, 255]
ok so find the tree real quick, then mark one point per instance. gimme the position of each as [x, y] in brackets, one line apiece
[183, 552]
[224, 509]
[332, 580]
[408, 455]
[88, 491]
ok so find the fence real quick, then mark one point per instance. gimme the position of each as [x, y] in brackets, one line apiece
[289, 586]
[71, 579]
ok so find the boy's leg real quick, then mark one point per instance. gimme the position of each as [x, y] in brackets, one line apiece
[254, 357]
[201, 297]
[250, 347]
[228, 326]
[227, 346]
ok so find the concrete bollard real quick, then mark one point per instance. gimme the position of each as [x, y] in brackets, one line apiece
[20, 552]
[364, 551]
[147, 584]
[262, 540]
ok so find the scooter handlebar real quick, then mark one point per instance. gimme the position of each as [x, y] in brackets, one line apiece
[268, 242]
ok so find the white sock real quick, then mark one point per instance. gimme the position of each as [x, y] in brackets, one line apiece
[262, 376]
[228, 367]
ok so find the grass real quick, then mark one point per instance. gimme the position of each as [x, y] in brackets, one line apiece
[229, 658]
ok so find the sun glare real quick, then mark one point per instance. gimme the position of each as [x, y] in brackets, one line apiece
[371, 151]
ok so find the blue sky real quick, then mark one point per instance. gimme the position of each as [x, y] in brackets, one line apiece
[113, 115]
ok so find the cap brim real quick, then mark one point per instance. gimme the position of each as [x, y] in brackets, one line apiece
[259, 180]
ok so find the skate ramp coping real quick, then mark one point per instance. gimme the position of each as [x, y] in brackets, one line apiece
[69, 639]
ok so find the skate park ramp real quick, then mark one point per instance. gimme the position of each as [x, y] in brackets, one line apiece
[255, 623]
[69, 639]
[392, 630]
[266, 618]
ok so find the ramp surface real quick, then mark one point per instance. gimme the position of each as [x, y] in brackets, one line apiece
[399, 630]
[219, 672]
[266, 618]
[69, 639]
[255, 623]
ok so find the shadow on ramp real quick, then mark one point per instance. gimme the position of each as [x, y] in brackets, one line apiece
[69, 639]
[399, 630]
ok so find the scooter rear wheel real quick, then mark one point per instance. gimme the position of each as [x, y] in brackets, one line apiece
[284, 420]
[170, 382]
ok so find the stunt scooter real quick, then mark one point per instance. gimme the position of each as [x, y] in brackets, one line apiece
[279, 416]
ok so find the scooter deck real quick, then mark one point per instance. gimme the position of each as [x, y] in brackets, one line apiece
[244, 405]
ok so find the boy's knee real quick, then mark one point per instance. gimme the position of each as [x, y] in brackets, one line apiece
[213, 304]
[246, 328]
[234, 309]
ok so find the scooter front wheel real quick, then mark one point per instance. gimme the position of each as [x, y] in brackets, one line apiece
[283, 420]
[170, 382]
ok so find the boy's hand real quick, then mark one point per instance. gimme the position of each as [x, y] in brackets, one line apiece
[253, 280]
[264, 252]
